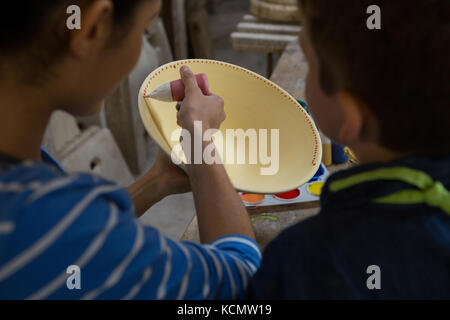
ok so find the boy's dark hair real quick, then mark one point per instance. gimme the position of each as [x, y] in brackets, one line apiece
[401, 71]
[31, 27]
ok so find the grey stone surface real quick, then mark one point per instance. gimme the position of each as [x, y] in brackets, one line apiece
[172, 215]
[227, 14]
[95, 151]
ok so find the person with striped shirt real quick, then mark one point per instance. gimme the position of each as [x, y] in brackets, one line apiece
[76, 236]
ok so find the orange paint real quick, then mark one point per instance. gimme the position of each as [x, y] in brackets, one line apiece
[252, 198]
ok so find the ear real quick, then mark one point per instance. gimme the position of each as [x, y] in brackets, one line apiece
[96, 24]
[353, 119]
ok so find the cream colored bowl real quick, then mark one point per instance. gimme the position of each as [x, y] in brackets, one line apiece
[251, 102]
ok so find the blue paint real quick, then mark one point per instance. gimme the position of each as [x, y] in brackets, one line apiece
[320, 172]
[338, 153]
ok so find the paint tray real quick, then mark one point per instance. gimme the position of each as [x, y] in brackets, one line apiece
[305, 193]
[251, 102]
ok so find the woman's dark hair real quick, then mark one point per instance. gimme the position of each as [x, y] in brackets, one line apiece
[32, 27]
[401, 71]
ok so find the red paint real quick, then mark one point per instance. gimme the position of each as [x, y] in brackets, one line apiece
[289, 195]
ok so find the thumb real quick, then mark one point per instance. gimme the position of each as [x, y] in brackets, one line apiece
[189, 79]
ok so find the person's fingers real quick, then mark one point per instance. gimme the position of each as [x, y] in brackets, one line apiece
[220, 101]
[189, 80]
[216, 98]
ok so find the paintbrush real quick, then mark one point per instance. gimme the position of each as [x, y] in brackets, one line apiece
[175, 90]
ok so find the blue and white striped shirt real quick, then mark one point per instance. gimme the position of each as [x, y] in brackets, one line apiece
[50, 220]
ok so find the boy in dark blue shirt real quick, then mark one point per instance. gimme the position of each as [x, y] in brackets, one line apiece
[384, 228]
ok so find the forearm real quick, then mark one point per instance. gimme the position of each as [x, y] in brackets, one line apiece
[220, 210]
[147, 191]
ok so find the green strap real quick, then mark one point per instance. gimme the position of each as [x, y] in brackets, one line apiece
[430, 192]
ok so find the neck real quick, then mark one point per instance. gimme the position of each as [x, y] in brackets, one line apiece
[24, 114]
[372, 153]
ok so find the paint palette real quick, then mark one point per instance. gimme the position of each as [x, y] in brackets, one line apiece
[309, 192]
[252, 103]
